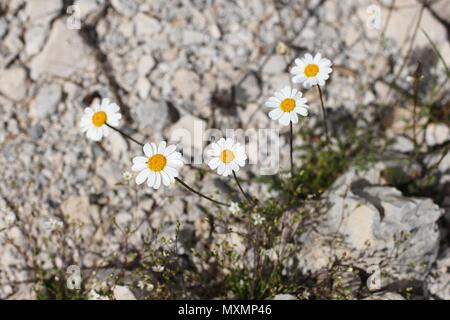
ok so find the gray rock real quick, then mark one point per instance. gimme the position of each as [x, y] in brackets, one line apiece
[284, 297]
[438, 281]
[249, 90]
[127, 8]
[46, 101]
[275, 64]
[36, 131]
[185, 83]
[12, 83]
[374, 226]
[437, 133]
[34, 39]
[386, 296]
[64, 54]
[152, 114]
[123, 293]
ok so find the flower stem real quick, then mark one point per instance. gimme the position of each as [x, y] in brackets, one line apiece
[292, 149]
[242, 190]
[200, 194]
[324, 114]
[125, 135]
[177, 179]
[415, 99]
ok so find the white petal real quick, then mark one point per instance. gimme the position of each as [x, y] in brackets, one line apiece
[172, 172]
[165, 178]
[308, 58]
[88, 111]
[301, 110]
[221, 143]
[138, 166]
[317, 58]
[175, 163]
[234, 166]
[154, 148]
[221, 169]
[229, 143]
[285, 119]
[170, 149]
[272, 104]
[140, 159]
[151, 179]
[294, 117]
[227, 171]
[105, 130]
[147, 150]
[286, 91]
[214, 163]
[279, 95]
[158, 179]
[299, 78]
[162, 147]
[275, 114]
[140, 178]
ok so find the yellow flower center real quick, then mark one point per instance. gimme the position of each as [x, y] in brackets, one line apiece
[157, 162]
[99, 118]
[287, 105]
[311, 70]
[226, 156]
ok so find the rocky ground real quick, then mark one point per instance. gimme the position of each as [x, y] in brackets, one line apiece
[169, 64]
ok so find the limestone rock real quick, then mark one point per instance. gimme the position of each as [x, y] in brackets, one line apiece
[46, 101]
[123, 293]
[64, 54]
[12, 83]
[438, 281]
[376, 226]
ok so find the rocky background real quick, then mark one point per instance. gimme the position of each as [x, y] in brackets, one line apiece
[168, 63]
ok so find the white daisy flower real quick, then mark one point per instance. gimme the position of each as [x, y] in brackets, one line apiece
[227, 156]
[159, 166]
[311, 71]
[94, 119]
[286, 104]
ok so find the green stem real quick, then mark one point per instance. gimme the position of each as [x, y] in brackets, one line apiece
[292, 150]
[325, 122]
[201, 194]
[242, 190]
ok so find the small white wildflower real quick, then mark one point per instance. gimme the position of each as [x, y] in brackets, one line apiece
[158, 268]
[234, 208]
[410, 79]
[141, 285]
[306, 295]
[150, 287]
[53, 224]
[10, 218]
[127, 176]
[258, 219]
[281, 48]
[93, 295]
